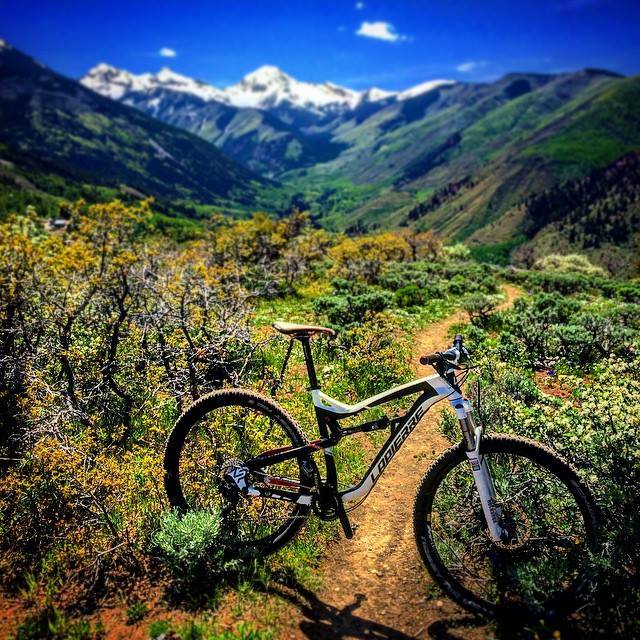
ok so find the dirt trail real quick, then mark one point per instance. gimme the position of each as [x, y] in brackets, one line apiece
[375, 584]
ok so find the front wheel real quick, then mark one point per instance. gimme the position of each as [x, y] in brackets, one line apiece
[547, 510]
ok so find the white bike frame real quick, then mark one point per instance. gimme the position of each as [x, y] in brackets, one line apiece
[329, 412]
[435, 389]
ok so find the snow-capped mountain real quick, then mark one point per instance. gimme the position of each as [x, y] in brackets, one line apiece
[421, 88]
[269, 121]
[376, 95]
[116, 83]
[265, 88]
[269, 87]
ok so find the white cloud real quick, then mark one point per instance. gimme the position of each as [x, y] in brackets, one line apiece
[471, 65]
[167, 52]
[360, 5]
[380, 31]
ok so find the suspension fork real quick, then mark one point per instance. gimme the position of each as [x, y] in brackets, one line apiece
[481, 473]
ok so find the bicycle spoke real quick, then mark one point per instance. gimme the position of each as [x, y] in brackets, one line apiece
[547, 527]
[223, 439]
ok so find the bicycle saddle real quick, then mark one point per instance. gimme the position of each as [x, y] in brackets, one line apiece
[301, 330]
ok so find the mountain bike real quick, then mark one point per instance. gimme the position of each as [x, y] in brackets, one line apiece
[503, 524]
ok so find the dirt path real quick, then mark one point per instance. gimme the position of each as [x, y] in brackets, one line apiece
[375, 584]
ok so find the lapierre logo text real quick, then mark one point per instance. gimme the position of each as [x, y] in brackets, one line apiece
[397, 443]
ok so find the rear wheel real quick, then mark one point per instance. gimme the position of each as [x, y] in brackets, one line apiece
[548, 512]
[217, 433]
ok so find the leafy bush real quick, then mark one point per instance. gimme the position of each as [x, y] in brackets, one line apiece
[49, 623]
[571, 263]
[456, 253]
[480, 307]
[409, 296]
[136, 611]
[192, 545]
[573, 283]
[595, 428]
[351, 309]
[194, 630]
[551, 330]
[593, 422]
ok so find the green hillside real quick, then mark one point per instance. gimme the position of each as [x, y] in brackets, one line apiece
[59, 139]
[254, 138]
[469, 182]
[463, 159]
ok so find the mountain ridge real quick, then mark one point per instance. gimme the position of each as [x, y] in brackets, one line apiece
[53, 128]
[462, 159]
[265, 87]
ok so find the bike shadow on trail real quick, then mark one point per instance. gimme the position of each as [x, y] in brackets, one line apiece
[323, 621]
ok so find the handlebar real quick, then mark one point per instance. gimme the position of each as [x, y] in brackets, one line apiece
[451, 356]
[430, 358]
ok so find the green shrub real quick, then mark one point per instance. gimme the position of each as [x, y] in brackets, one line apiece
[480, 307]
[159, 629]
[596, 429]
[456, 253]
[571, 263]
[49, 623]
[348, 309]
[409, 296]
[551, 330]
[136, 611]
[192, 545]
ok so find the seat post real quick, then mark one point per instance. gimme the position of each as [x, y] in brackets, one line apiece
[308, 358]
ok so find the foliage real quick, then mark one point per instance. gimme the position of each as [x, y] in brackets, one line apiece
[480, 307]
[192, 545]
[572, 263]
[499, 253]
[550, 330]
[195, 630]
[456, 252]
[110, 328]
[113, 325]
[573, 283]
[49, 623]
[592, 421]
[349, 304]
[409, 296]
[136, 611]
[364, 257]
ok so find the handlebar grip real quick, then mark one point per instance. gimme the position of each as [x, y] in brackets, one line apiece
[430, 358]
[457, 341]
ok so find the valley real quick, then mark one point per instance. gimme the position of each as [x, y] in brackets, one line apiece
[463, 159]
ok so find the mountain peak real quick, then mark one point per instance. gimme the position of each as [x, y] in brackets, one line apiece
[266, 87]
[376, 95]
[4, 44]
[423, 87]
[102, 68]
[166, 75]
[267, 73]
[116, 83]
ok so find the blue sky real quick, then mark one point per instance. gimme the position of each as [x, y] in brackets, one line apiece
[392, 44]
